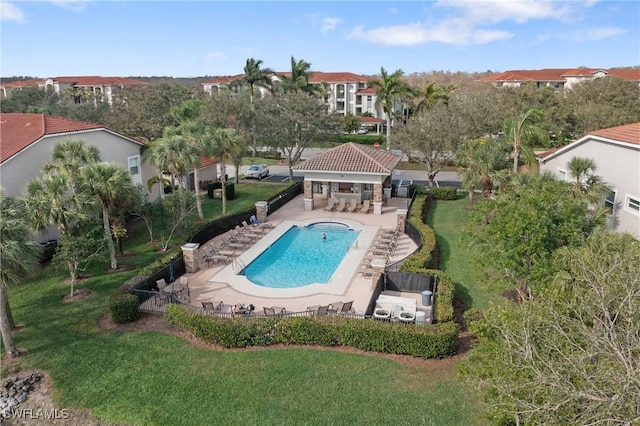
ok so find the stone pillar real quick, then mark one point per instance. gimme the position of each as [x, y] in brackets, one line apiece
[402, 218]
[308, 195]
[190, 256]
[262, 208]
[377, 198]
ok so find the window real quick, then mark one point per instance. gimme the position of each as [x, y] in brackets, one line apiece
[134, 165]
[344, 187]
[632, 205]
[561, 175]
[610, 201]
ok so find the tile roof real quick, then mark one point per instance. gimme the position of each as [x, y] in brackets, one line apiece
[370, 119]
[18, 131]
[80, 81]
[560, 74]
[352, 157]
[629, 133]
[316, 77]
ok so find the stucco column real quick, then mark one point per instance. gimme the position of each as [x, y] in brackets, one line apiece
[377, 198]
[402, 218]
[308, 195]
[190, 256]
[261, 211]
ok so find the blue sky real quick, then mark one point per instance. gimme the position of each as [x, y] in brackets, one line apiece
[189, 39]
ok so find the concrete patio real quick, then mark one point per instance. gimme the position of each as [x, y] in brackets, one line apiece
[219, 283]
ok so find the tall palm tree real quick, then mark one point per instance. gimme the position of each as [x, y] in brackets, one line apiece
[224, 146]
[299, 79]
[194, 133]
[256, 76]
[110, 183]
[522, 131]
[176, 156]
[19, 256]
[390, 89]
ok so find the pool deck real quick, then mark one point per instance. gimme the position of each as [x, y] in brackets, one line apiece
[220, 282]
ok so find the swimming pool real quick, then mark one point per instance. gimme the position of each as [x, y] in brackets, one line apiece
[301, 256]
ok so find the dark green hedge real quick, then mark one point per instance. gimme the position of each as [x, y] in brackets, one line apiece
[123, 307]
[445, 193]
[434, 341]
[362, 139]
[417, 217]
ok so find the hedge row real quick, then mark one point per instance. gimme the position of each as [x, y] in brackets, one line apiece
[123, 307]
[436, 341]
[422, 261]
[417, 217]
[438, 193]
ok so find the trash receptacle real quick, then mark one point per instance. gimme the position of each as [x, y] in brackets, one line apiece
[420, 317]
[426, 297]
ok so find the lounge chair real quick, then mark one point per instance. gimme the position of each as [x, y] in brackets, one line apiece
[352, 206]
[237, 237]
[251, 231]
[365, 206]
[318, 309]
[210, 257]
[343, 307]
[254, 221]
[232, 244]
[212, 306]
[341, 204]
[218, 251]
[274, 311]
[330, 205]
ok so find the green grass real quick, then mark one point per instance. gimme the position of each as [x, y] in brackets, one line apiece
[156, 378]
[449, 220]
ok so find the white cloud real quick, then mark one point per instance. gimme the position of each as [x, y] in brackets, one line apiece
[329, 24]
[70, 5]
[470, 22]
[604, 32]
[10, 12]
[450, 32]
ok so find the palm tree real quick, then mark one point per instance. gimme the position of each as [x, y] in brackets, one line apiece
[110, 183]
[586, 183]
[194, 133]
[390, 89]
[483, 163]
[430, 94]
[522, 131]
[19, 256]
[69, 157]
[299, 79]
[176, 156]
[255, 75]
[224, 146]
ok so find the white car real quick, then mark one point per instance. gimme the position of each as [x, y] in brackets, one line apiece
[363, 131]
[257, 171]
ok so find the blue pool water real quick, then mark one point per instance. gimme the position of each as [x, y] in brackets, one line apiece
[301, 256]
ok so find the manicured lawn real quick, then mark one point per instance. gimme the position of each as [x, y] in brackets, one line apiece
[146, 378]
[449, 219]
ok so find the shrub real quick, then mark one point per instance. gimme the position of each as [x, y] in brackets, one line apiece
[444, 193]
[230, 189]
[123, 307]
[434, 341]
[417, 217]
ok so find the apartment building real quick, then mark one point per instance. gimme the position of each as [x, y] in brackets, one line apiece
[559, 78]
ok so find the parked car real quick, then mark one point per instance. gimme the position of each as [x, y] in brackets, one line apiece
[363, 131]
[258, 171]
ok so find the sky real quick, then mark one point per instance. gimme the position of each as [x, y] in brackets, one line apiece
[215, 38]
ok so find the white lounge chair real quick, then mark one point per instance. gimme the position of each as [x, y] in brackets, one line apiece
[365, 206]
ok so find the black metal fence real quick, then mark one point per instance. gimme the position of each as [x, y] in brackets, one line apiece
[282, 199]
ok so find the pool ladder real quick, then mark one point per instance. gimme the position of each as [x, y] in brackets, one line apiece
[237, 265]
